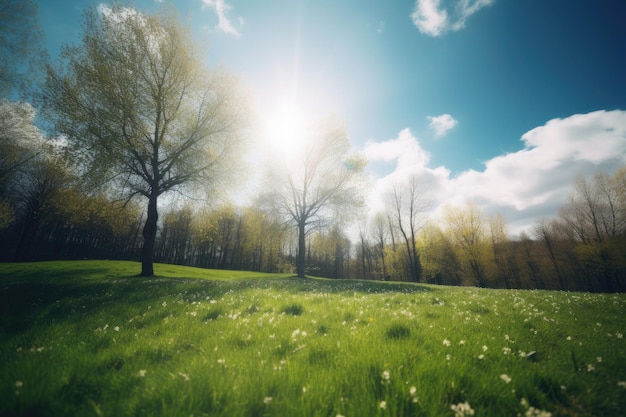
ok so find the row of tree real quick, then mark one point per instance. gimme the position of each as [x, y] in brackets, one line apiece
[49, 217]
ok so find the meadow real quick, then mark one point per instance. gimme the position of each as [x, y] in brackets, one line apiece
[89, 338]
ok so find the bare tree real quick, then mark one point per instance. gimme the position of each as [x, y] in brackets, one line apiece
[409, 207]
[139, 110]
[319, 182]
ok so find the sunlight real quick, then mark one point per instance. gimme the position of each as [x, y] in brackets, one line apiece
[286, 128]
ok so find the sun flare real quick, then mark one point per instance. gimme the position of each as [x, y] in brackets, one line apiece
[286, 128]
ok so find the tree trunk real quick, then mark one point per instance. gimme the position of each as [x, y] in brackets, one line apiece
[300, 260]
[149, 237]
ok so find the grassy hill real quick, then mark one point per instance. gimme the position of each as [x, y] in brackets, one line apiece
[91, 338]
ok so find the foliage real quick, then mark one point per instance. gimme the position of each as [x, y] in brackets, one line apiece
[140, 110]
[84, 338]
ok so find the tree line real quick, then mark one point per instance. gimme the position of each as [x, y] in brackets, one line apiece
[132, 113]
[580, 249]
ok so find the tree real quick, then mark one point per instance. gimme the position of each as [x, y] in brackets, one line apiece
[20, 143]
[468, 231]
[20, 40]
[409, 206]
[139, 110]
[596, 214]
[20, 139]
[322, 179]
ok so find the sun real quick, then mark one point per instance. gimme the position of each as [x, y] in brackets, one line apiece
[286, 128]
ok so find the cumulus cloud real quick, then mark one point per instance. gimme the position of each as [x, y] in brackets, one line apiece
[410, 160]
[433, 18]
[523, 186]
[441, 124]
[223, 23]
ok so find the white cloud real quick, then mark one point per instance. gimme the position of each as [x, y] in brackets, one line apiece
[434, 19]
[441, 124]
[524, 186]
[223, 23]
[410, 160]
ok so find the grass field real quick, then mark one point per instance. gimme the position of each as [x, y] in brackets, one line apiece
[91, 339]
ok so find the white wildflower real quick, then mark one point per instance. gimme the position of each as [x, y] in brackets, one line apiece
[505, 378]
[142, 372]
[383, 405]
[446, 342]
[462, 409]
[535, 412]
[386, 376]
[267, 400]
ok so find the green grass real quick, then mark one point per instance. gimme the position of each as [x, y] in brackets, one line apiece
[91, 338]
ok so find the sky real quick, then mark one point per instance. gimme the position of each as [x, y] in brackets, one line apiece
[501, 102]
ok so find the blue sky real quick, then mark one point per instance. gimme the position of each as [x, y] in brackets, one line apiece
[503, 102]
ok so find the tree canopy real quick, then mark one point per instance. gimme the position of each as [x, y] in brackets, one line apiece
[139, 109]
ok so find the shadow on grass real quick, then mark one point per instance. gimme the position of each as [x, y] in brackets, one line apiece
[30, 296]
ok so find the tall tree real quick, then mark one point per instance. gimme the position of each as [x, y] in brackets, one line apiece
[320, 180]
[409, 206]
[141, 111]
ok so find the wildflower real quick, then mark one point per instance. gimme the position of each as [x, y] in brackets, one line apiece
[506, 350]
[446, 342]
[142, 372]
[568, 338]
[461, 342]
[383, 405]
[116, 328]
[481, 357]
[599, 359]
[164, 304]
[19, 384]
[485, 348]
[590, 368]
[505, 378]
[535, 412]
[619, 335]
[386, 376]
[221, 361]
[412, 391]
[183, 376]
[462, 409]
[622, 384]
[267, 400]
